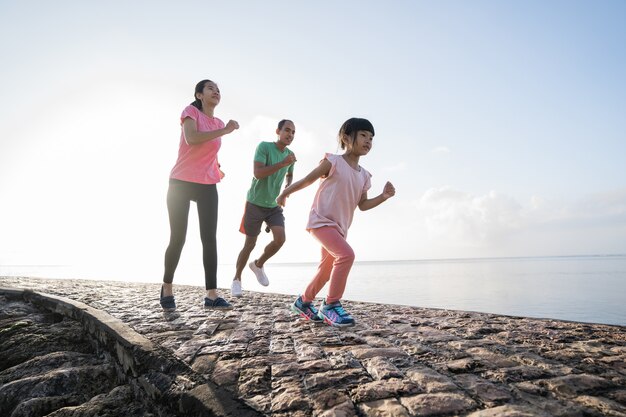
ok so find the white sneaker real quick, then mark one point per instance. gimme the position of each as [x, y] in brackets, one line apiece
[260, 274]
[235, 288]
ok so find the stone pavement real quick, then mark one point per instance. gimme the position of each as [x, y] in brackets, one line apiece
[397, 360]
[50, 366]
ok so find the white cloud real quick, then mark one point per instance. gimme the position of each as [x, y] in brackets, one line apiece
[440, 150]
[461, 216]
[499, 225]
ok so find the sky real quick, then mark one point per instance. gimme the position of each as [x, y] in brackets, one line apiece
[500, 123]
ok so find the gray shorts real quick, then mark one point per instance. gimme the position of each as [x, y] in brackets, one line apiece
[254, 216]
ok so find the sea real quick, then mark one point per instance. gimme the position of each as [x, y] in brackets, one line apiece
[588, 289]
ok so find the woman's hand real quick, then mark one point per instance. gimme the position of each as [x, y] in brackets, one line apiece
[230, 126]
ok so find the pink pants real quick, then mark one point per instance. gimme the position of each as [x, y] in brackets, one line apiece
[335, 265]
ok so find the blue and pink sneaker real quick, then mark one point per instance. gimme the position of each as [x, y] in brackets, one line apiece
[305, 310]
[334, 315]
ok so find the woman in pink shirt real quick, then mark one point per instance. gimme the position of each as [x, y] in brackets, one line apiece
[342, 189]
[194, 178]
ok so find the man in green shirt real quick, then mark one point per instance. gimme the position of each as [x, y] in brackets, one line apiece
[273, 162]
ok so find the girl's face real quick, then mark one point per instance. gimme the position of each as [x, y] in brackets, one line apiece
[210, 94]
[362, 143]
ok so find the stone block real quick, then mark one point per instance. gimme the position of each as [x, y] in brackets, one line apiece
[438, 403]
[383, 408]
[572, 385]
[429, 380]
[378, 390]
[488, 392]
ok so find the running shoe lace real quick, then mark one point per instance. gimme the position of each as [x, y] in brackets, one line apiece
[339, 309]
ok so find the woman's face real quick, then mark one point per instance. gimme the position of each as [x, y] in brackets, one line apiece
[210, 94]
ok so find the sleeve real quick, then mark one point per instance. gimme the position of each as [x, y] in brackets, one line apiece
[260, 155]
[332, 158]
[291, 167]
[191, 112]
[368, 182]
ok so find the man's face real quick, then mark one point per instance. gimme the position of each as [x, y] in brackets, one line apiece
[286, 133]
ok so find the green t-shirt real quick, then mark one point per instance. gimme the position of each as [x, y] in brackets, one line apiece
[263, 192]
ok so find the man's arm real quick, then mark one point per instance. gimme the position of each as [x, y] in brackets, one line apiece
[262, 171]
[288, 179]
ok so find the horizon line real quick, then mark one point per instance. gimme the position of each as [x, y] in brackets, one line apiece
[481, 258]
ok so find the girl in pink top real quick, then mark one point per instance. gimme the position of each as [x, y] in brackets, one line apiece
[343, 188]
[193, 178]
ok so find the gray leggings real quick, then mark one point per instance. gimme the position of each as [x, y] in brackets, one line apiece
[179, 196]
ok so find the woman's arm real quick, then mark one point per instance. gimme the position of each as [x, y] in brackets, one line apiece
[193, 137]
[320, 171]
[367, 204]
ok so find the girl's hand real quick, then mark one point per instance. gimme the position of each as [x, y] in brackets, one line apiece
[222, 175]
[389, 190]
[230, 126]
[281, 200]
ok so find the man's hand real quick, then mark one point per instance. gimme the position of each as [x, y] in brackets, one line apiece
[289, 159]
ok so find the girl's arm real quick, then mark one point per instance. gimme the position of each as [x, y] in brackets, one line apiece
[193, 137]
[320, 171]
[367, 204]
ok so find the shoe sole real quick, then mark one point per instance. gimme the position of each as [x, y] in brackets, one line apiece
[301, 313]
[218, 308]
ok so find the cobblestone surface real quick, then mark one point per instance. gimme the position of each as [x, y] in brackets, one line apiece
[397, 360]
[50, 366]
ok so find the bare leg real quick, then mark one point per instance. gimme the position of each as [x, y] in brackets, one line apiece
[244, 255]
[274, 246]
[167, 290]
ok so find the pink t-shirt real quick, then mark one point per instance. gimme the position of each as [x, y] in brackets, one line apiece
[198, 163]
[338, 195]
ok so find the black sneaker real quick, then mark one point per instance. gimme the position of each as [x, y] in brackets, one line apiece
[218, 304]
[167, 303]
